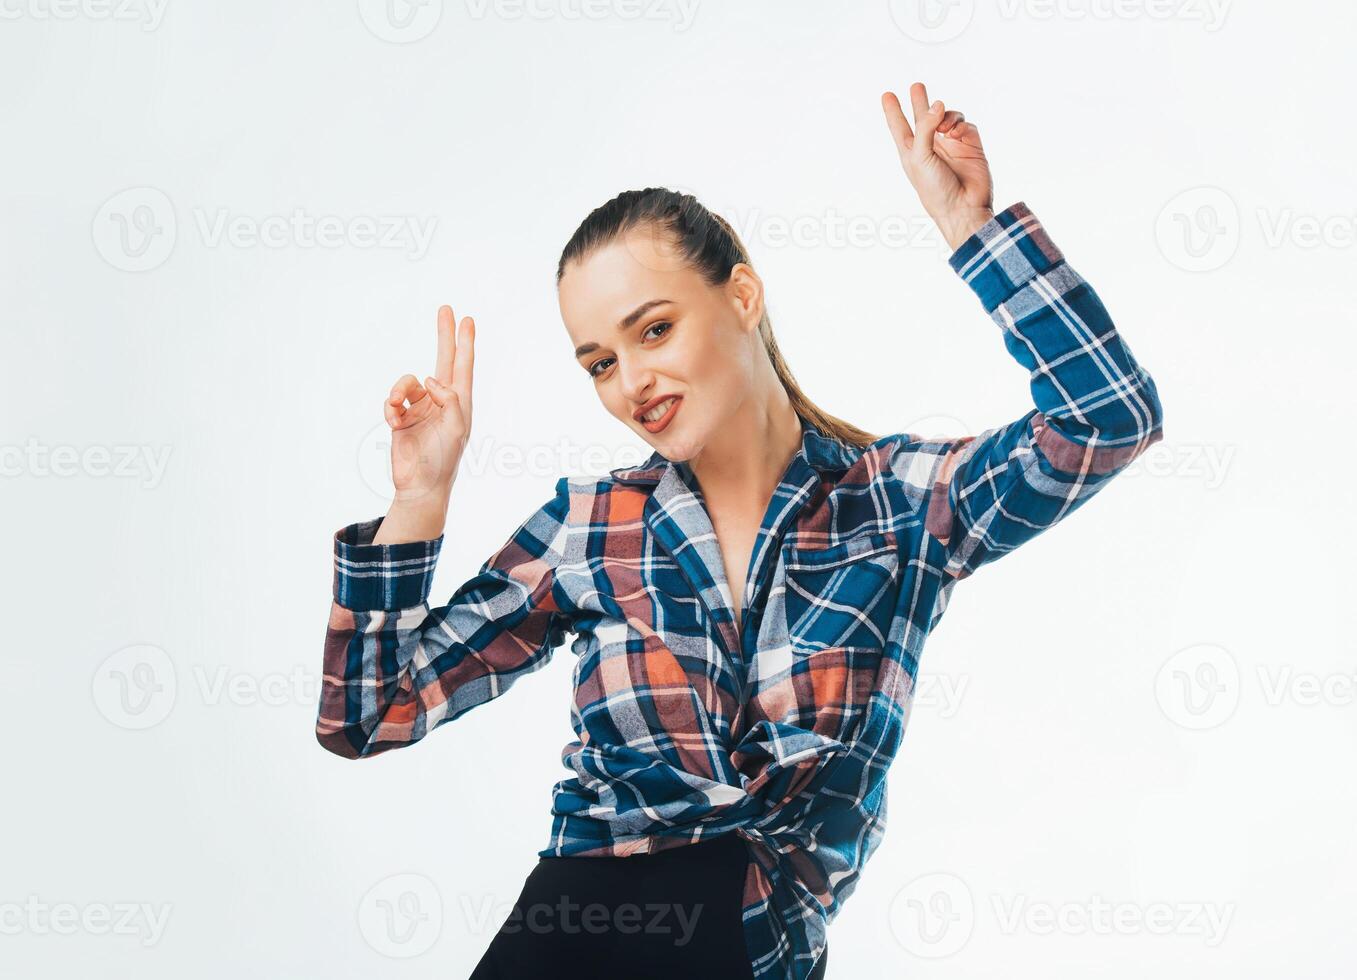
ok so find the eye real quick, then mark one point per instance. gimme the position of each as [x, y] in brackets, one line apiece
[594, 369]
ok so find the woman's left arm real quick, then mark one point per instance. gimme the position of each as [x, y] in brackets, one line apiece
[1096, 408]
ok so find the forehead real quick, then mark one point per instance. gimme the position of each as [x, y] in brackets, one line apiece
[608, 283]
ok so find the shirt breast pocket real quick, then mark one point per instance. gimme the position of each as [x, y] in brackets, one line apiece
[843, 595]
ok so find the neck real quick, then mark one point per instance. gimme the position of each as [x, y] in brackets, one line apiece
[753, 451]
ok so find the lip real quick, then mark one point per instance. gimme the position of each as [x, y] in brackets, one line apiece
[661, 422]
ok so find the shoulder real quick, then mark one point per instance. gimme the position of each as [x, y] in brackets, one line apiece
[587, 496]
[920, 461]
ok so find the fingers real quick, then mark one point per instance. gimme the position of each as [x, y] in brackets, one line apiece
[926, 118]
[950, 119]
[451, 379]
[463, 369]
[967, 133]
[446, 345]
[408, 387]
[918, 98]
[899, 125]
[455, 424]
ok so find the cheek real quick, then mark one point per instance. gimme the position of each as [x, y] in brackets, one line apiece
[730, 358]
[614, 401]
[687, 358]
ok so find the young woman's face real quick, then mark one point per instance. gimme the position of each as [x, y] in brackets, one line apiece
[646, 327]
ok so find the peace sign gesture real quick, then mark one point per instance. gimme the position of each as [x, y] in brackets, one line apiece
[944, 160]
[429, 434]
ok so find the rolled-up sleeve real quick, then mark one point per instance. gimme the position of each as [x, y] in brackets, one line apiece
[1095, 408]
[394, 668]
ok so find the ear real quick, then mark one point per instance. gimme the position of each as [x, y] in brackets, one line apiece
[746, 292]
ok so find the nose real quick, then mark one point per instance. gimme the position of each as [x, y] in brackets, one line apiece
[637, 381]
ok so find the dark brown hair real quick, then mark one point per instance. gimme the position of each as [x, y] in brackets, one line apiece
[708, 243]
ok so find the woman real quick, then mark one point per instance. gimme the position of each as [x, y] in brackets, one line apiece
[750, 603]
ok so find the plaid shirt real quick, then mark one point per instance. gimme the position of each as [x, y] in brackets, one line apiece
[782, 730]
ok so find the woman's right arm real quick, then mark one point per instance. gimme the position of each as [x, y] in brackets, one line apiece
[395, 669]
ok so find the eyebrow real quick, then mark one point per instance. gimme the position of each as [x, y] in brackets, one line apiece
[622, 324]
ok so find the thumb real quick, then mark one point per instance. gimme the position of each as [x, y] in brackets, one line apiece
[437, 391]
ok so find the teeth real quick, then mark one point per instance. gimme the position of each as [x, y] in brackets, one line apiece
[657, 411]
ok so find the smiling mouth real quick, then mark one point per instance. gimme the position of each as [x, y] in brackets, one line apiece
[660, 416]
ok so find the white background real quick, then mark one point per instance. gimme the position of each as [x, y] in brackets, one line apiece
[1151, 706]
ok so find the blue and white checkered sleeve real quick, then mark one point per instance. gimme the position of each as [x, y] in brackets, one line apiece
[395, 669]
[1096, 409]
[381, 576]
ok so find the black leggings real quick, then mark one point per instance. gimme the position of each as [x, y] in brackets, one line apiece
[674, 913]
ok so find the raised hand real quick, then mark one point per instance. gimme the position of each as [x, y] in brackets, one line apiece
[945, 161]
[429, 434]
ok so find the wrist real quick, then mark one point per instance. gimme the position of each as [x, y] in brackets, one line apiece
[413, 518]
[957, 226]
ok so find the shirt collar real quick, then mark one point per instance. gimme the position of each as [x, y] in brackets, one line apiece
[821, 451]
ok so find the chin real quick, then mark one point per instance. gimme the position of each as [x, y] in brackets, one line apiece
[675, 449]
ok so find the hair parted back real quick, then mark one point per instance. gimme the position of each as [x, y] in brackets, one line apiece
[708, 243]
